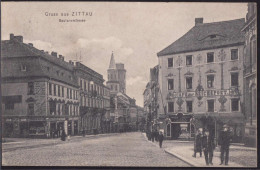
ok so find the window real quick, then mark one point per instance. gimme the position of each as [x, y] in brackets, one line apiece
[85, 86]
[211, 105]
[62, 91]
[31, 109]
[234, 54]
[58, 73]
[58, 90]
[210, 57]
[234, 105]
[210, 81]
[50, 89]
[48, 68]
[54, 87]
[213, 36]
[111, 87]
[116, 87]
[9, 106]
[30, 88]
[170, 107]
[170, 84]
[81, 83]
[188, 82]
[23, 68]
[234, 79]
[68, 93]
[170, 62]
[189, 106]
[189, 60]
[88, 86]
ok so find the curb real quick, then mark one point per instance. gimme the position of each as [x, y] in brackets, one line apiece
[182, 158]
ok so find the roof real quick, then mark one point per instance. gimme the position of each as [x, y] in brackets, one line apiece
[199, 37]
[112, 64]
[28, 55]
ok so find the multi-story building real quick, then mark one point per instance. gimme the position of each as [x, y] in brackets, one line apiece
[107, 119]
[201, 80]
[250, 77]
[39, 91]
[91, 98]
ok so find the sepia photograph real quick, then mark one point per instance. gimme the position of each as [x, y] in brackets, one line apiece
[129, 84]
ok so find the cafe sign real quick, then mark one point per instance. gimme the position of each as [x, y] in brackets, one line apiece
[204, 93]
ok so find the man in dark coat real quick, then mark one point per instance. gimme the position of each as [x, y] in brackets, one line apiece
[152, 135]
[208, 147]
[160, 139]
[198, 143]
[63, 135]
[224, 142]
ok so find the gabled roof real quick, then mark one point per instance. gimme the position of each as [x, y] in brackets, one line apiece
[24, 54]
[198, 38]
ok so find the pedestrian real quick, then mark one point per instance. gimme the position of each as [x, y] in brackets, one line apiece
[208, 147]
[224, 142]
[198, 143]
[63, 135]
[160, 139]
[157, 135]
[152, 135]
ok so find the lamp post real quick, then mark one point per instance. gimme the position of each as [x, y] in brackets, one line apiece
[222, 99]
[179, 100]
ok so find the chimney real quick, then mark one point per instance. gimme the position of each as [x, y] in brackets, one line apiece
[54, 54]
[30, 44]
[198, 21]
[11, 36]
[19, 38]
[61, 57]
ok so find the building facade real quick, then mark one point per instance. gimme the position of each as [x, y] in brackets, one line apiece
[39, 92]
[92, 100]
[201, 80]
[250, 77]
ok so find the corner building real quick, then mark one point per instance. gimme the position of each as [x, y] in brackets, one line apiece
[39, 92]
[201, 80]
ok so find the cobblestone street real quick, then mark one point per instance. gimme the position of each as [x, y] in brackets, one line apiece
[126, 149]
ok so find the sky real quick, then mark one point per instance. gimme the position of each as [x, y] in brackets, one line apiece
[134, 31]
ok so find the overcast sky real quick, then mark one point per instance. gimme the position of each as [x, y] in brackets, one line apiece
[134, 31]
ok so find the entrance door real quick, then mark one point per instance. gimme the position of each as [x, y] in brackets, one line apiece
[175, 130]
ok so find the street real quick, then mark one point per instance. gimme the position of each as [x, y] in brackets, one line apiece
[126, 149]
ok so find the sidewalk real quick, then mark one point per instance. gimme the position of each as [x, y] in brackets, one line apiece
[240, 156]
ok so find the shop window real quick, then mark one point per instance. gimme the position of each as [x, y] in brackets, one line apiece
[234, 54]
[210, 57]
[189, 60]
[170, 84]
[9, 106]
[170, 107]
[234, 79]
[211, 105]
[30, 88]
[189, 106]
[235, 105]
[210, 81]
[30, 109]
[170, 62]
[188, 82]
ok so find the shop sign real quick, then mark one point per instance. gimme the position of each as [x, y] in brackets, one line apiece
[205, 93]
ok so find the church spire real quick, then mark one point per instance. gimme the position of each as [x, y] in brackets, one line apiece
[112, 64]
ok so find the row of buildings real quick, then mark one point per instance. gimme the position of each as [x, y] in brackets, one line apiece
[205, 79]
[42, 95]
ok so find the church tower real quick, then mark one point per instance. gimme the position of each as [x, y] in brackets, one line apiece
[116, 75]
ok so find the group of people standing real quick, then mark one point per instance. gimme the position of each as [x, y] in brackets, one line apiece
[155, 136]
[204, 141]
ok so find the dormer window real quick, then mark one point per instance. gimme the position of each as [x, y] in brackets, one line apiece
[23, 67]
[58, 73]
